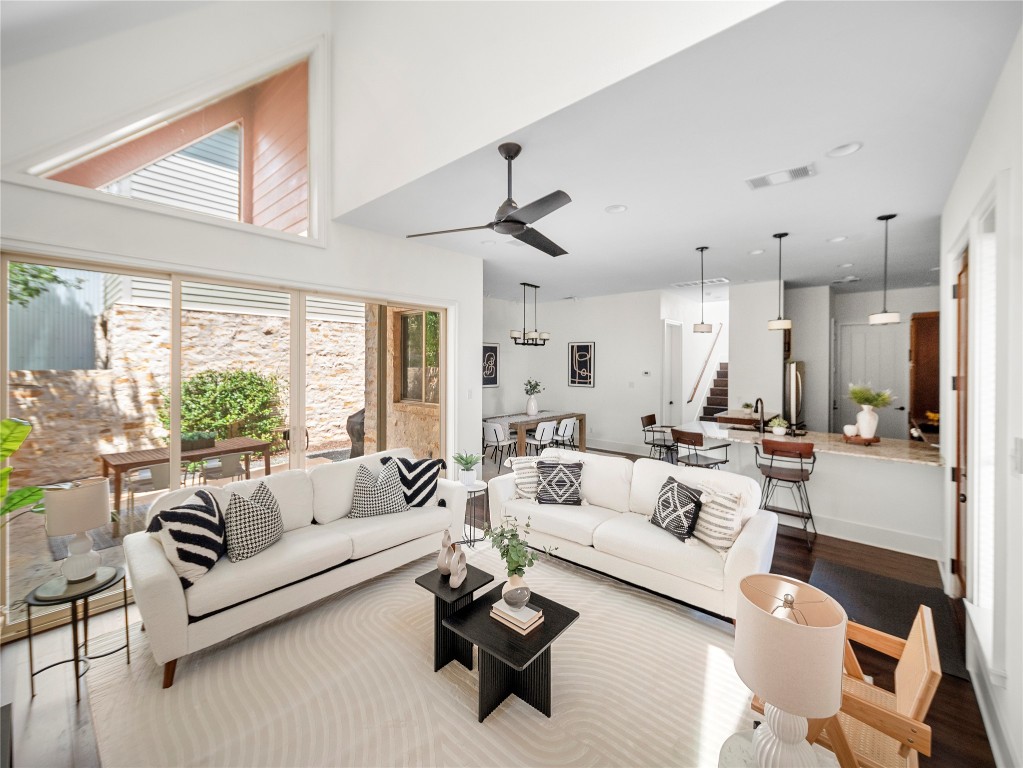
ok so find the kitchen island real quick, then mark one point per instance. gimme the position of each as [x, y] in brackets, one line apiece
[889, 494]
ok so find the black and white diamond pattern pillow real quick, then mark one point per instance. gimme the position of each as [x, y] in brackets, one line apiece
[382, 495]
[418, 478]
[192, 536]
[559, 483]
[252, 524]
[677, 509]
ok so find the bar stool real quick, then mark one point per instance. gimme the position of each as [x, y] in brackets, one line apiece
[654, 437]
[693, 456]
[788, 465]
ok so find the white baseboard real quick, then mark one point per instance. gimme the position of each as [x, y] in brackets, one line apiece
[897, 541]
[1001, 746]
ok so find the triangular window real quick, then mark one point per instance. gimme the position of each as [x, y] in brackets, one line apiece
[244, 157]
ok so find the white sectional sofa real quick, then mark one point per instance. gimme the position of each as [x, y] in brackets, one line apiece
[612, 532]
[321, 552]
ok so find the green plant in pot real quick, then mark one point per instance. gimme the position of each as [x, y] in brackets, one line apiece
[747, 408]
[467, 463]
[28, 499]
[514, 550]
[532, 388]
[193, 441]
[868, 399]
[778, 425]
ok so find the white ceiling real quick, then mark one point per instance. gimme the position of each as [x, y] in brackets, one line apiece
[676, 142]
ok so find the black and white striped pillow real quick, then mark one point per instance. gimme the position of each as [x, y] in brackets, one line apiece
[418, 479]
[559, 483]
[382, 495]
[677, 509]
[192, 535]
[253, 524]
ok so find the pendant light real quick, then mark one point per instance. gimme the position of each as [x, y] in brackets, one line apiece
[884, 317]
[524, 338]
[702, 327]
[781, 324]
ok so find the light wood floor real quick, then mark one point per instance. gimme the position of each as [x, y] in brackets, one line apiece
[51, 730]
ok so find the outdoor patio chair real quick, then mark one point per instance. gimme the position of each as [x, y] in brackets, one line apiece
[145, 480]
[222, 467]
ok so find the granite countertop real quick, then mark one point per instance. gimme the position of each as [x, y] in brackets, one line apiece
[889, 449]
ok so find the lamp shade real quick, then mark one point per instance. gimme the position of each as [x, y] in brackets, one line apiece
[781, 324]
[790, 651]
[80, 508]
[884, 318]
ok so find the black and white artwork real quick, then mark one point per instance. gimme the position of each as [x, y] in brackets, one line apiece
[580, 363]
[491, 356]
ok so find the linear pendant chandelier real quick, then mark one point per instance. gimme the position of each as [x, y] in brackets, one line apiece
[884, 317]
[702, 327]
[524, 338]
[781, 324]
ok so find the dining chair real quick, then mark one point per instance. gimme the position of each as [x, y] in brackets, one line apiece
[543, 436]
[494, 437]
[229, 465]
[565, 436]
[145, 480]
[688, 449]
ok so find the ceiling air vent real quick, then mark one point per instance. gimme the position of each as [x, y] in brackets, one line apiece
[781, 177]
[708, 281]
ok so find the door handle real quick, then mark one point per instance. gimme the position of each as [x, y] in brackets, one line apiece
[901, 408]
[962, 498]
[671, 402]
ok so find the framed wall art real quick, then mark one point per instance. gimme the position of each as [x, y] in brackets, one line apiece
[580, 363]
[491, 362]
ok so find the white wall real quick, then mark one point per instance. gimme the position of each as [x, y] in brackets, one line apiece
[810, 312]
[755, 365]
[472, 73]
[993, 168]
[88, 88]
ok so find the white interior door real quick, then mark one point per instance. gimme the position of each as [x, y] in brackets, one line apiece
[877, 355]
[674, 397]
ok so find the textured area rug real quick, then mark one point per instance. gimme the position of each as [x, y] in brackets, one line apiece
[637, 680]
[890, 605]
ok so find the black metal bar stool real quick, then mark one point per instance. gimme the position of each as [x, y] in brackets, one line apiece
[788, 465]
[689, 449]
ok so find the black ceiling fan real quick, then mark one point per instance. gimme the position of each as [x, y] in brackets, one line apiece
[515, 221]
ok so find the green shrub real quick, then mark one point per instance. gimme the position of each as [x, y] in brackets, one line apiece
[224, 402]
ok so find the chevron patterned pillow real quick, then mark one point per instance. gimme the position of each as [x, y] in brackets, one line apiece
[192, 535]
[677, 509]
[418, 479]
[559, 483]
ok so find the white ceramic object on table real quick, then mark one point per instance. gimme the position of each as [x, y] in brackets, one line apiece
[444, 556]
[467, 476]
[850, 430]
[779, 430]
[866, 421]
[459, 569]
[531, 407]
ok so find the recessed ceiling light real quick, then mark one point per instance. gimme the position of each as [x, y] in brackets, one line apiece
[844, 266]
[515, 242]
[935, 269]
[838, 239]
[488, 242]
[844, 150]
[617, 208]
[757, 252]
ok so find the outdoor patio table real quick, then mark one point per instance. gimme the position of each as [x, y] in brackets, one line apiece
[119, 463]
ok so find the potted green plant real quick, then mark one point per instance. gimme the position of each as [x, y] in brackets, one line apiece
[28, 499]
[533, 388]
[747, 408]
[193, 441]
[467, 463]
[778, 425]
[868, 399]
[517, 556]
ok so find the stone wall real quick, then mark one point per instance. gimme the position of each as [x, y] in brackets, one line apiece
[77, 415]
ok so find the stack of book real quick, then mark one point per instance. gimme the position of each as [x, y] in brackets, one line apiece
[523, 620]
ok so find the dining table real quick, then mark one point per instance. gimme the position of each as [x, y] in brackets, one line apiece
[521, 422]
[126, 461]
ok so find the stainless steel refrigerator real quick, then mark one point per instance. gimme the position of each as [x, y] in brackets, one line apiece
[795, 379]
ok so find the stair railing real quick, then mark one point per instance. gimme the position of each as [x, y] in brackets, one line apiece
[710, 352]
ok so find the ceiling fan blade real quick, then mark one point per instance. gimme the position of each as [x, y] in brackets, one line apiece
[537, 209]
[448, 231]
[540, 242]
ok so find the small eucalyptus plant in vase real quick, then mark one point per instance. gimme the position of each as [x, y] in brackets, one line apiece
[532, 388]
[868, 399]
[467, 463]
[509, 542]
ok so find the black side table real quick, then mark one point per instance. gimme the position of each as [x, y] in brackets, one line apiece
[447, 646]
[59, 590]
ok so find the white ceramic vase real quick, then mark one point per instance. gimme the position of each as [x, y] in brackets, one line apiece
[516, 592]
[459, 570]
[444, 556]
[866, 421]
[779, 430]
[531, 407]
[467, 476]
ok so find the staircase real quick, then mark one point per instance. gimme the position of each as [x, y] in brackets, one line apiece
[717, 395]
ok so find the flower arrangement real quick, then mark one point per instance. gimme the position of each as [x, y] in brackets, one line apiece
[862, 394]
[777, 421]
[533, 387]
[467, 460]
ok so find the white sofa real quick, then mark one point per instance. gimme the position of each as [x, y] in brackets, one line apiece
[321, 552]
[612, 532]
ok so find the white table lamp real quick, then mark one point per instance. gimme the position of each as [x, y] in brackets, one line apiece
[789, 647]
[75, 510]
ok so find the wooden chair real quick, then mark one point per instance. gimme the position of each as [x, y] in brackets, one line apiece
[787, 465]
[876, 728]
[654, 437]
[688, 450]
